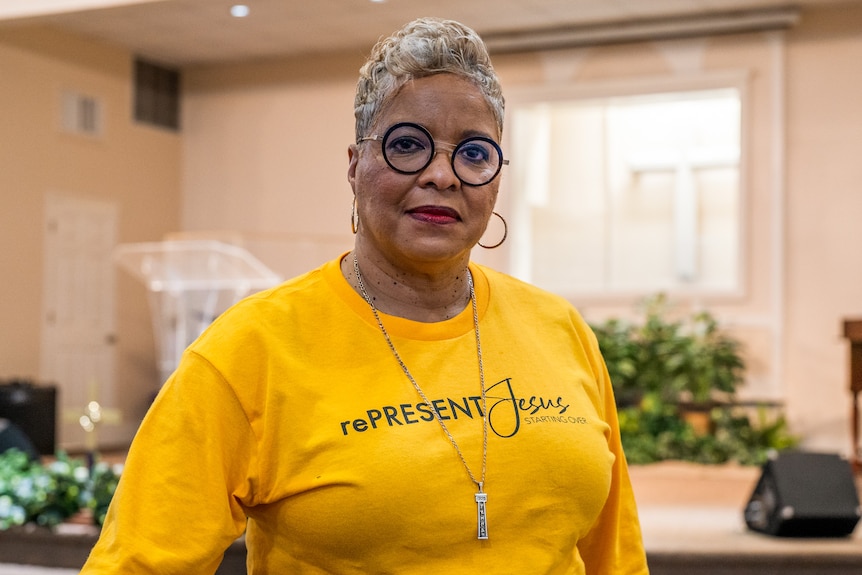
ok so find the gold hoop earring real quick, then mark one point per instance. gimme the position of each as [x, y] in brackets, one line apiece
[354, 218]
[505, 234]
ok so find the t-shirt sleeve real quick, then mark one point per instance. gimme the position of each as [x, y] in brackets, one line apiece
[179, 505]
[614, 545]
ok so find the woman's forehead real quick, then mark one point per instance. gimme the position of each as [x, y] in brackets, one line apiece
[443, 102]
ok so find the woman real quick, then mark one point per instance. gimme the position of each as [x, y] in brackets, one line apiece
[400, 409]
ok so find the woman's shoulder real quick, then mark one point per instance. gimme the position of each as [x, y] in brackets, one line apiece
[296, 291]
[270, 309]
[528, 302]
[506, 286]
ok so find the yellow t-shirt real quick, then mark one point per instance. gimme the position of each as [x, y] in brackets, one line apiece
[291, 420]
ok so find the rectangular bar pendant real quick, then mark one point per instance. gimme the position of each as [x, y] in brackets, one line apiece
[481, 499]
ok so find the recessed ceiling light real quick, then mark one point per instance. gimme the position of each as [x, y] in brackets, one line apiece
[239, 10]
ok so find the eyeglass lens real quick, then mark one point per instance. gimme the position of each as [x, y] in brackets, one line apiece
[409, 148]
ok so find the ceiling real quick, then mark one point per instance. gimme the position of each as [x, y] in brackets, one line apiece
[199, 32]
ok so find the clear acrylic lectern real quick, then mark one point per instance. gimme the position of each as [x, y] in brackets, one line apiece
[189, 283]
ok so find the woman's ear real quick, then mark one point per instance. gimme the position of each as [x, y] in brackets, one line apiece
[353, 158]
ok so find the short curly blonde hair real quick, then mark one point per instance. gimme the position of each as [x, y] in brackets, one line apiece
[424, 47]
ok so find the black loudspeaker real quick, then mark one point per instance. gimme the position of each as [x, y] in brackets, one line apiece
[33, 409]
[11, 436]
[803, 494]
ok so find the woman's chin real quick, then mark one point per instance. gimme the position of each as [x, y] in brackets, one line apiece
[436, 251]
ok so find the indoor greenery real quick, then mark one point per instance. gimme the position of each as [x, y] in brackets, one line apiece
[661, 369]
[50, 493]
[664, 370]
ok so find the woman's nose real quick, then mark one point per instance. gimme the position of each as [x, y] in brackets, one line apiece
[439, 170]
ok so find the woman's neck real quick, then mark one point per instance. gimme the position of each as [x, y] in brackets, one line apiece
[426, 297]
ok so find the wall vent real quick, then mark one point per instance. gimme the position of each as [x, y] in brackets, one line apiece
[157, 95]
[82, 114]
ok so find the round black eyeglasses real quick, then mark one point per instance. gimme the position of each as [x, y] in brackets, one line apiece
[409, 148]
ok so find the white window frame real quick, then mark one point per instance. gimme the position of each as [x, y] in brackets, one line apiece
[520, 249]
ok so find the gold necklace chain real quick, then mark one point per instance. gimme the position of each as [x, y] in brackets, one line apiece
[479, 482]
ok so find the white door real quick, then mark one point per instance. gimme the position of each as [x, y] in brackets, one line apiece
[78, 308]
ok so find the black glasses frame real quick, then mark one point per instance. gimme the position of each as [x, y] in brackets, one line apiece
[453, 151]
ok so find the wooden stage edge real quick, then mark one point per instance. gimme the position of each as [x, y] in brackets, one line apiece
[692, 519]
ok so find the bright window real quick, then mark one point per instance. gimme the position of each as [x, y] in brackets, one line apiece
[629, 194]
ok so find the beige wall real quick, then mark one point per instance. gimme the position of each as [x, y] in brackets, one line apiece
[133, 166]
[824, 174]
[263, 153]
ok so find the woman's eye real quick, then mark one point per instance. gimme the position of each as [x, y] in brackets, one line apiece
[406, 145]
[474, 152]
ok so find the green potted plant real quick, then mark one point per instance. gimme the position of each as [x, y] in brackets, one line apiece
[675, 381]
[50, 493]
[684, 361]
